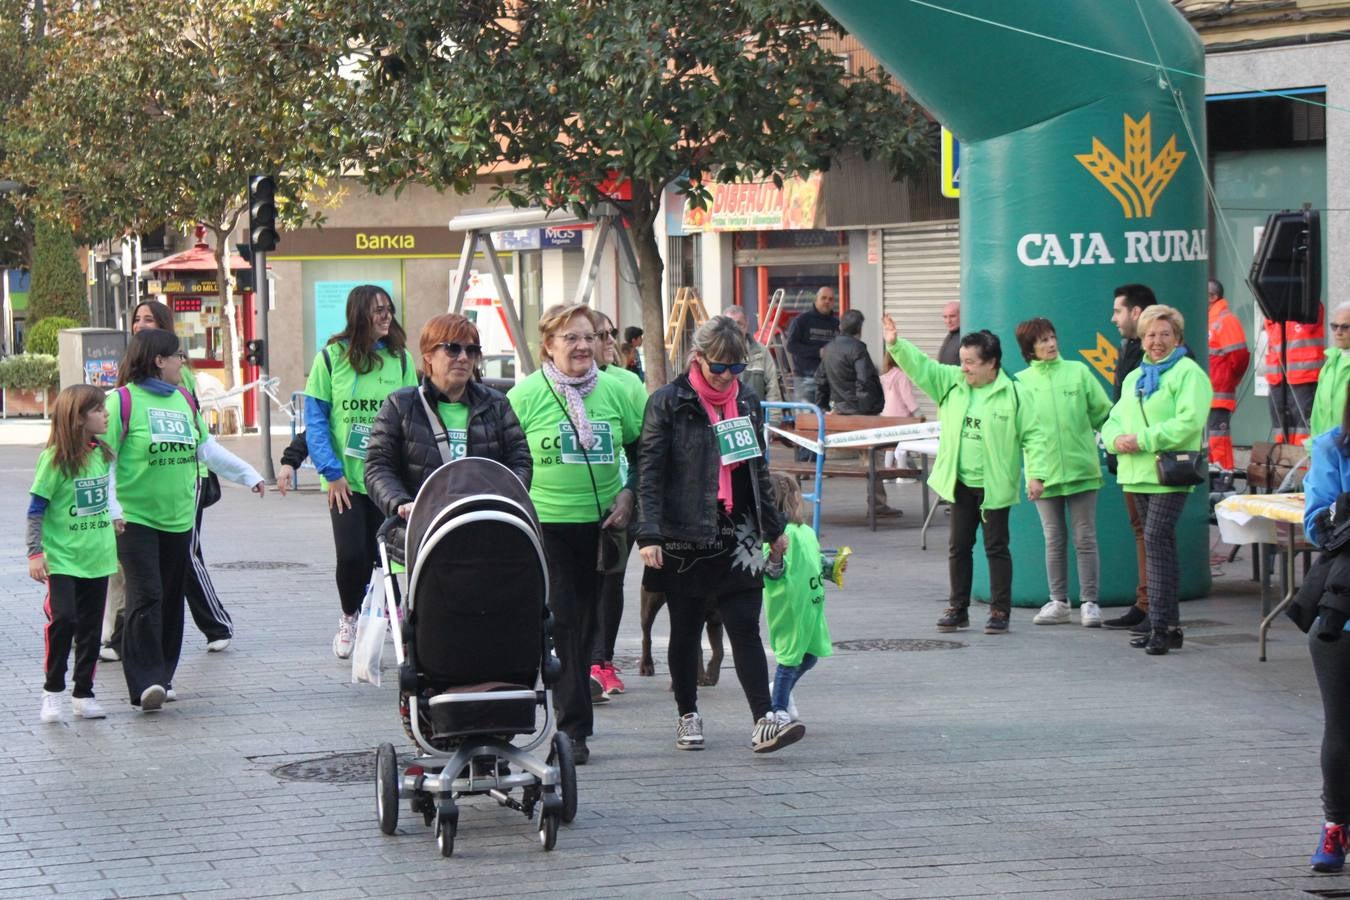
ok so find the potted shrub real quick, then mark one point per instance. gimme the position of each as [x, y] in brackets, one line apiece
[29, 382]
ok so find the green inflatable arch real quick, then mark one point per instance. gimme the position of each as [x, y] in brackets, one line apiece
[1081, 155]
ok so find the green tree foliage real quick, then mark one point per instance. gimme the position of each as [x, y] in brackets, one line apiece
[558, 96]
[29, 371]
[42, 337]
[58, 284]
[20, 34]
[149, 112]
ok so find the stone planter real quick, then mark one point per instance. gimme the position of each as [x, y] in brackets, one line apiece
[28, 402]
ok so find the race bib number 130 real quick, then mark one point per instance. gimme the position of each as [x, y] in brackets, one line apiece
[170, 426]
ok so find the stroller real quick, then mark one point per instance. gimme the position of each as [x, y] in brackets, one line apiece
[475, 656]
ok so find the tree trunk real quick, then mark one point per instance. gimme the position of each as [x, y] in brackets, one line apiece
[650, 267]
[228, 352]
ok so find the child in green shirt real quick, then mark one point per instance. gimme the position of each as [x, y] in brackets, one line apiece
[794, 604]
[72, 546]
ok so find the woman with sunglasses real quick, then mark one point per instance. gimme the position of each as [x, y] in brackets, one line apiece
[605, 681]
[159, 437]
[706, 509]
[476, 420]
[579, 422]
[348, 381]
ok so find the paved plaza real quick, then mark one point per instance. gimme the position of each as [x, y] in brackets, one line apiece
[1054, 762]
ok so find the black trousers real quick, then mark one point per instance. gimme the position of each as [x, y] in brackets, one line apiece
[610, 612]
[203, 602]
[573, 598]
[1331, 663]
[354, 537]
[1291, 405]
[74, 616]
[965, 520]
[740, 616]
[154, 563]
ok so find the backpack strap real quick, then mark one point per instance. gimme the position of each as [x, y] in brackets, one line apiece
[124, 406]
[327, 362]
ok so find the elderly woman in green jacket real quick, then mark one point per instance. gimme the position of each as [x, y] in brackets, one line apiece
[985, 428]
[1163, 406]
[1069, 401]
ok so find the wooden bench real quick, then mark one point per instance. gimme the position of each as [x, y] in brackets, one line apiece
[846, 462]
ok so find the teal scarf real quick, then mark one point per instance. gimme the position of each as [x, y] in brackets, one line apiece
[1151, 373]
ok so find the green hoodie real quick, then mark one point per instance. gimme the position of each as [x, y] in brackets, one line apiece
[1329, 403]
[1010, 427]
[1070, 404]
[1176, 415]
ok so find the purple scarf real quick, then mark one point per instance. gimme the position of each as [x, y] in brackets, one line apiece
[574, 390]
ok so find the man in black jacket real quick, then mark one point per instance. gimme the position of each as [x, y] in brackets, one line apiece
[809, 332]
[949, 354]
[847, 384]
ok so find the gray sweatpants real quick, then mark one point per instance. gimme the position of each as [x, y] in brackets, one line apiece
[1082, 509]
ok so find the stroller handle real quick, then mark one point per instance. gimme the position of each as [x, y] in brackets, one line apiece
[383, 532]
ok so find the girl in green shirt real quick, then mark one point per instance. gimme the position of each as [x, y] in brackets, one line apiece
[71, 547]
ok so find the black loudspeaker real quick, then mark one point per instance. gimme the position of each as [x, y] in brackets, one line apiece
[1286, 274]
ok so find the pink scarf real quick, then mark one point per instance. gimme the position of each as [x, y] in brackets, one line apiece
[719, 405]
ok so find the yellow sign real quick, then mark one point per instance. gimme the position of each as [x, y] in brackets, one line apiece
[951, 165]
[385, 241]
[1138, 181]
[1103, 358]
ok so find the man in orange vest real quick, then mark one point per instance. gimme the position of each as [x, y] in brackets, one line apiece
[1291, 404]
[1228, 361]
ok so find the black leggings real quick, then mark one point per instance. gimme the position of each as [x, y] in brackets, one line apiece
[1331, 662]
[610, 613]
[573, 595]
[74, 616]
[354, 537]
[740, 615]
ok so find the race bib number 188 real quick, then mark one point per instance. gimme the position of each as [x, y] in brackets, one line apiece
[736, 440]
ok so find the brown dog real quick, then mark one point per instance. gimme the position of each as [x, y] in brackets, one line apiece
[707, 674]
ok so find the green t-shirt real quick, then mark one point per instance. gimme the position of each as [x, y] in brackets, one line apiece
[560, 485]
[970, 457]
[156, 458]
[794, 605]
[353, 401]
[637, 395]
[77, 533]
[455, 418]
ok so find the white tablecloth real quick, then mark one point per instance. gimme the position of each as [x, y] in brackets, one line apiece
[1253, 518]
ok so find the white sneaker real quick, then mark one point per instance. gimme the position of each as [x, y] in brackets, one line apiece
[1091, 614]
[689, 732]
[88, 708]
[345, 637]
[217, 646]
[1056, 612]
[152, 698]
[51, 707]
[792, 709]
[108, 654]
[170, 695]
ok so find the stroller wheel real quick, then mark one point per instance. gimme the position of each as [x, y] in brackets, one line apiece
[567, 775]
[447, 823]
[386, 788]
[548, 827]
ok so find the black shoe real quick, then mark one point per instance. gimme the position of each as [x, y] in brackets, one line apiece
[1171, 639]
[954, 619]
[1132, 617]
[997, 623]
[1143, 627]
[581, 754]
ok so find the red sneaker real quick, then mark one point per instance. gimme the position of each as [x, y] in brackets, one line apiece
[610, 676]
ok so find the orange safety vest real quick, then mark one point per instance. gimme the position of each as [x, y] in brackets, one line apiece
[1228, 355]
[1307, 348]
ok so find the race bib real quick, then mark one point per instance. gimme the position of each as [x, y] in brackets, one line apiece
[736, 440]
[601, 454]
[170, 426]
[91, 495]
[458, 442]
[357, 439]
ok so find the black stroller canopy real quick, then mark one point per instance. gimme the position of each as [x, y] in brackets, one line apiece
[454, 485]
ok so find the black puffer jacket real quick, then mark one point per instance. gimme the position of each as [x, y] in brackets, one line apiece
[677, 469]
[402, 450]
[851, 379]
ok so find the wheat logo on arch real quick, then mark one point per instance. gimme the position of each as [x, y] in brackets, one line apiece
[1138, 181]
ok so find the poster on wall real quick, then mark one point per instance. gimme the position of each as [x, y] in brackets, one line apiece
[330, 306]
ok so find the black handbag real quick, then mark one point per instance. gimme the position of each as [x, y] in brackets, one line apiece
[1179, 468]
[210, 490]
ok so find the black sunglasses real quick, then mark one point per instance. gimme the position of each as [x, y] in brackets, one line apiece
[612, 334]
[719, 368]
[454, 348]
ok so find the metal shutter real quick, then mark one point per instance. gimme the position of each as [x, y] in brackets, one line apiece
[920, 273]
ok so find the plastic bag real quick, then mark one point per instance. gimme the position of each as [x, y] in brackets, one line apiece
[371, 626]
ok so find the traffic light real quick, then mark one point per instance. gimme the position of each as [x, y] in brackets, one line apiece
[262, 213]
[255, 353]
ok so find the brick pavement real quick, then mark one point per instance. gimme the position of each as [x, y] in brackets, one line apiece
[1054, 762]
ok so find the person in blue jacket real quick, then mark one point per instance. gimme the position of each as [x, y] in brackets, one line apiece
[1328, 480]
